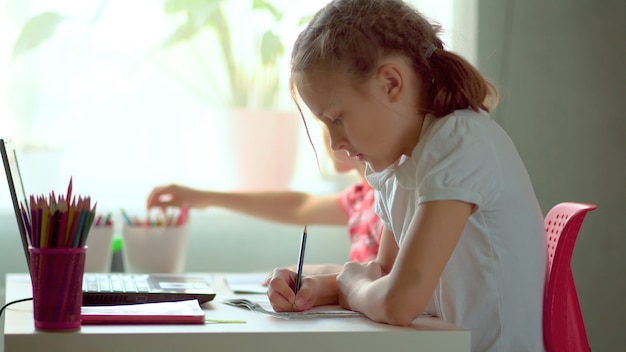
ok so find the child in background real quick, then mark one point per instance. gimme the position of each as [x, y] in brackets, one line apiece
[463, 237]
[353, 207]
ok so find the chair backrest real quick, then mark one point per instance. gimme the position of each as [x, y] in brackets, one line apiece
[563, 325]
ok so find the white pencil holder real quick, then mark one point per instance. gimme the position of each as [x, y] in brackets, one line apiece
[157, 249]
[99, 249]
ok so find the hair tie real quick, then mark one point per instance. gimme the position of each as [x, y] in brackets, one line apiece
[429, 52]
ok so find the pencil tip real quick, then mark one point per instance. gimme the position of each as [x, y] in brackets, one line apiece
[305, 228]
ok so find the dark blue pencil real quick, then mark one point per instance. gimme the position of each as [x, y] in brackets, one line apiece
[300, 262]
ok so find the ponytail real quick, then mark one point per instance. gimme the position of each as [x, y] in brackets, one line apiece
[456, 84]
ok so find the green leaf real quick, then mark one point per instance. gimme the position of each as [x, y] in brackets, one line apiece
[266, 5]
[271, 48]
[183, 33]
[175, 6]
[198, 13]
[36, 31]
[305, 19]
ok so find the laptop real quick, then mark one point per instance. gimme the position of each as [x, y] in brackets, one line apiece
[114, 288]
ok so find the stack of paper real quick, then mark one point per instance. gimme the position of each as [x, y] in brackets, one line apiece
[180, 312]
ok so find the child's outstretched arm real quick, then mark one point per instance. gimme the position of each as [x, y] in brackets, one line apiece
[289, 207]
[401, 296]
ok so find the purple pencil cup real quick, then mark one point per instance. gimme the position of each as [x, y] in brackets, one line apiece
[57, 278]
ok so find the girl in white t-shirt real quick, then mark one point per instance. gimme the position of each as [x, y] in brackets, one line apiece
[463, 236]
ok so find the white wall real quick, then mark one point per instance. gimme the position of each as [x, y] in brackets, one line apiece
[561, 68]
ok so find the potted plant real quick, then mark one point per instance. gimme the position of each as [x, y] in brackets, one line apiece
[264, 137]
[253, 81]
[234, 69]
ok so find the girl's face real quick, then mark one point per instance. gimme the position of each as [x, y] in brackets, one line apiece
[369, 122]
[342, 162]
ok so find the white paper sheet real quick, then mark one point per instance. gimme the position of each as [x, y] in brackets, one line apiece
[247, 283]
[330, 311]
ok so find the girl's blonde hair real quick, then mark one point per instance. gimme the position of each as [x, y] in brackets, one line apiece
[354, 35]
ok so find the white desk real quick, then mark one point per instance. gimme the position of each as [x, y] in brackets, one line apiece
[260, 332]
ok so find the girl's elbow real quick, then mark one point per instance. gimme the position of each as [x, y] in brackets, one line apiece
[399, 320]
[398, 314]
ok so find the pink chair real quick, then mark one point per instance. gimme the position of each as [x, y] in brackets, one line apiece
[563, 325]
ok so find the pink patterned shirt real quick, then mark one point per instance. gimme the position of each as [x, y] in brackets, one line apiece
[364, 226]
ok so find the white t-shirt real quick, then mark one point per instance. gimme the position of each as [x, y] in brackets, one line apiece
[493, 283]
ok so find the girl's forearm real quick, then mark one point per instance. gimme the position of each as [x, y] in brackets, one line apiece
[370, 299]
[389, 302]
[318, 269]
[384, 297]
[327, 291]
[282, 207]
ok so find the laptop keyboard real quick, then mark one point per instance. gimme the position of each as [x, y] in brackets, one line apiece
[115, 283]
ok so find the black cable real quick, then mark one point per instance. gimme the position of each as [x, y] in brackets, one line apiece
[13, 302]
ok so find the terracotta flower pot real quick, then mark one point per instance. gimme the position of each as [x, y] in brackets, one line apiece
[264, 147]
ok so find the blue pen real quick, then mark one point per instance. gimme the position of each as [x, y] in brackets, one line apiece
[300, 262]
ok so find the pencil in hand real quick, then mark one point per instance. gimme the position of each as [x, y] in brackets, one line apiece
[300, 262]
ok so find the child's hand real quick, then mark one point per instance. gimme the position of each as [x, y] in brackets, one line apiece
[170, 196]
[266, 281]
[353, 277]
[281, 295]
[353, 272]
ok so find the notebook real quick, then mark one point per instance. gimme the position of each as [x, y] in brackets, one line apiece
[114, 288]
[179, 312]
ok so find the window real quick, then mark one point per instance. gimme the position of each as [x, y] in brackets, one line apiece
[101, 101]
